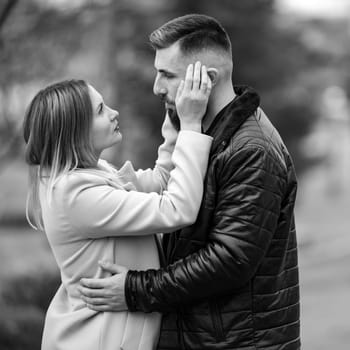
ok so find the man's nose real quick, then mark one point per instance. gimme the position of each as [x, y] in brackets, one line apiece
[158, 89]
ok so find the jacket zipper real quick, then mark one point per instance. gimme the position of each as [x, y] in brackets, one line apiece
[217, 322]
[180, 334]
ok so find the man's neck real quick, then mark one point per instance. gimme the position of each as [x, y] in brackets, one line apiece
[219, 99]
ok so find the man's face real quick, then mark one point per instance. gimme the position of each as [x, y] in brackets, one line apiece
[171, 67]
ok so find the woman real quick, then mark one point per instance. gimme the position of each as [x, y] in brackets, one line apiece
[91, 211]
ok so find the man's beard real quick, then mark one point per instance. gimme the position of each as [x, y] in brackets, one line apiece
[174, 118]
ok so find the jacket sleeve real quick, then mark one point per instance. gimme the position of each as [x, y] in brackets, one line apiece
[156, 179]
[96, 209]
[249, 188]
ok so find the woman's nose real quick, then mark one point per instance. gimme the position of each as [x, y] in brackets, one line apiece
[114, 114]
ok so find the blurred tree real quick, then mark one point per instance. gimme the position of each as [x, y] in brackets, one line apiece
[26, 55]
[8, 127]
[42, 44]
[5, 11]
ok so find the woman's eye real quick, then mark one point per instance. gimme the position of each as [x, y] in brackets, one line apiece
[101, 108]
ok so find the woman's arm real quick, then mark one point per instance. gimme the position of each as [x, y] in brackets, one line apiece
[156, 179]
[98, 210]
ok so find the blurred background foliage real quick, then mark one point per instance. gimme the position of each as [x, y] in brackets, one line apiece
[298, 64]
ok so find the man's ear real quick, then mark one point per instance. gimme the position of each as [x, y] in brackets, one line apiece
[213, 75]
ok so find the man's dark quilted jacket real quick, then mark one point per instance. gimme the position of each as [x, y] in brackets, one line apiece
[231, 280]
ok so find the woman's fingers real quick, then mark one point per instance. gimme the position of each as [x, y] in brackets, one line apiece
[94, 301]
[196, 79]
[188, 78]
[179, 90]
[196, 76]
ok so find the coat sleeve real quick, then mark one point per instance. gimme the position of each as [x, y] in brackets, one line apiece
[96, 209]
[247, 210]
[156, 179]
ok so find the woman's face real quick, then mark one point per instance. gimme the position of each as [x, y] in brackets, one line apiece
[105, 126]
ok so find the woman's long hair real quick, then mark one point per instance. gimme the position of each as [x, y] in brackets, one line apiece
[57, 132]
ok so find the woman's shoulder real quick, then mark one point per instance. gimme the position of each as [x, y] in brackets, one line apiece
[80, 179]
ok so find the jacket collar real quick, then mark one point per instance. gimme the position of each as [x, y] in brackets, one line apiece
[232, 116]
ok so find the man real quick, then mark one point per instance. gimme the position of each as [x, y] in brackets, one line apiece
[230, 281]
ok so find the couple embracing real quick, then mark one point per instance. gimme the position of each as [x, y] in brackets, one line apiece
[197, 253]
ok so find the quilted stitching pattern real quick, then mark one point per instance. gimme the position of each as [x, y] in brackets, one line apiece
[243, 241]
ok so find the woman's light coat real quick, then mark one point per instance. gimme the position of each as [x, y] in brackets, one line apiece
[112, 215]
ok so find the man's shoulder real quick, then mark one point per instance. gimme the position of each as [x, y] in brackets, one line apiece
[257, 132]
[257, 136]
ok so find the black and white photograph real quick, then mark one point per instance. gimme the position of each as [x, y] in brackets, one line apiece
[174, 175]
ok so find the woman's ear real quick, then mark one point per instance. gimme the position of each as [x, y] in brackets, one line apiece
[213, 75]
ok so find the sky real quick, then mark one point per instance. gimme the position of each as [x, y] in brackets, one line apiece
[316, 8]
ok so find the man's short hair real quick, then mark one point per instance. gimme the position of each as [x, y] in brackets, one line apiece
[194, 33]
